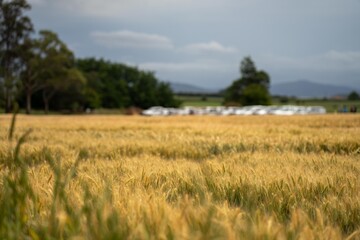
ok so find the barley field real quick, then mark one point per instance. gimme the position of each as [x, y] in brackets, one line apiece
[190, 177]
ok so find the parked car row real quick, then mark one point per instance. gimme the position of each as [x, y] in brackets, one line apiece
[247, 110]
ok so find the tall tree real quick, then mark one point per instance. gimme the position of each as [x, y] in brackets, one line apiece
[15, 27]
[247, 68]
[31, 69]
[251, 88]
[58, 67]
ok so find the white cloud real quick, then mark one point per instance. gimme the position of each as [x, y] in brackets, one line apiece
[138, 40]
[208, 65]
[210, 47]
[130, 39]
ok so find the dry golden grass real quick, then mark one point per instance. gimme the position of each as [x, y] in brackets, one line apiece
[192, 177]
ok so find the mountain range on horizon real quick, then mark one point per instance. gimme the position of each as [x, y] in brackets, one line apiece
[309, 89]
[189, 88]
[299, 89]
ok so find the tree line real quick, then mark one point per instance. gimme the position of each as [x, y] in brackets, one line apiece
[38, 70]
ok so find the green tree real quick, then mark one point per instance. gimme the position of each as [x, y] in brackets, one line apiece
[71, 98]
[248, 68]
[92, 95]
[116, 85]
[255, 94]
[48, 67]
[31, 69]
[91, 98]
[167, 98]
[14, 29]
[58, 72]
[106, 83]
[143, 90]
[353, 96]
[251, 88]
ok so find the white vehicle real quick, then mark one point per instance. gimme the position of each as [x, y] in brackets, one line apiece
[156, 111]
[228, 111]
[316, 110]
[252, 110]
[211, 111]
[286, 110]
[241, 110]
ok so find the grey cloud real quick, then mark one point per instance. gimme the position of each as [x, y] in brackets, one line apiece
[349, 59]
[314, 39]
[36, 2]
[128, 8]
[330, 61]
[114, 8]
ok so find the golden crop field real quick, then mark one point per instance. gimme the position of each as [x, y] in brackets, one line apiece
[190, 177]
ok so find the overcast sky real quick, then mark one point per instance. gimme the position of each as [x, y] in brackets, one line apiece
[202, 42]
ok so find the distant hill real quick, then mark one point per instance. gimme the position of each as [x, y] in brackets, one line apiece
[188, 88]
[308, 89]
